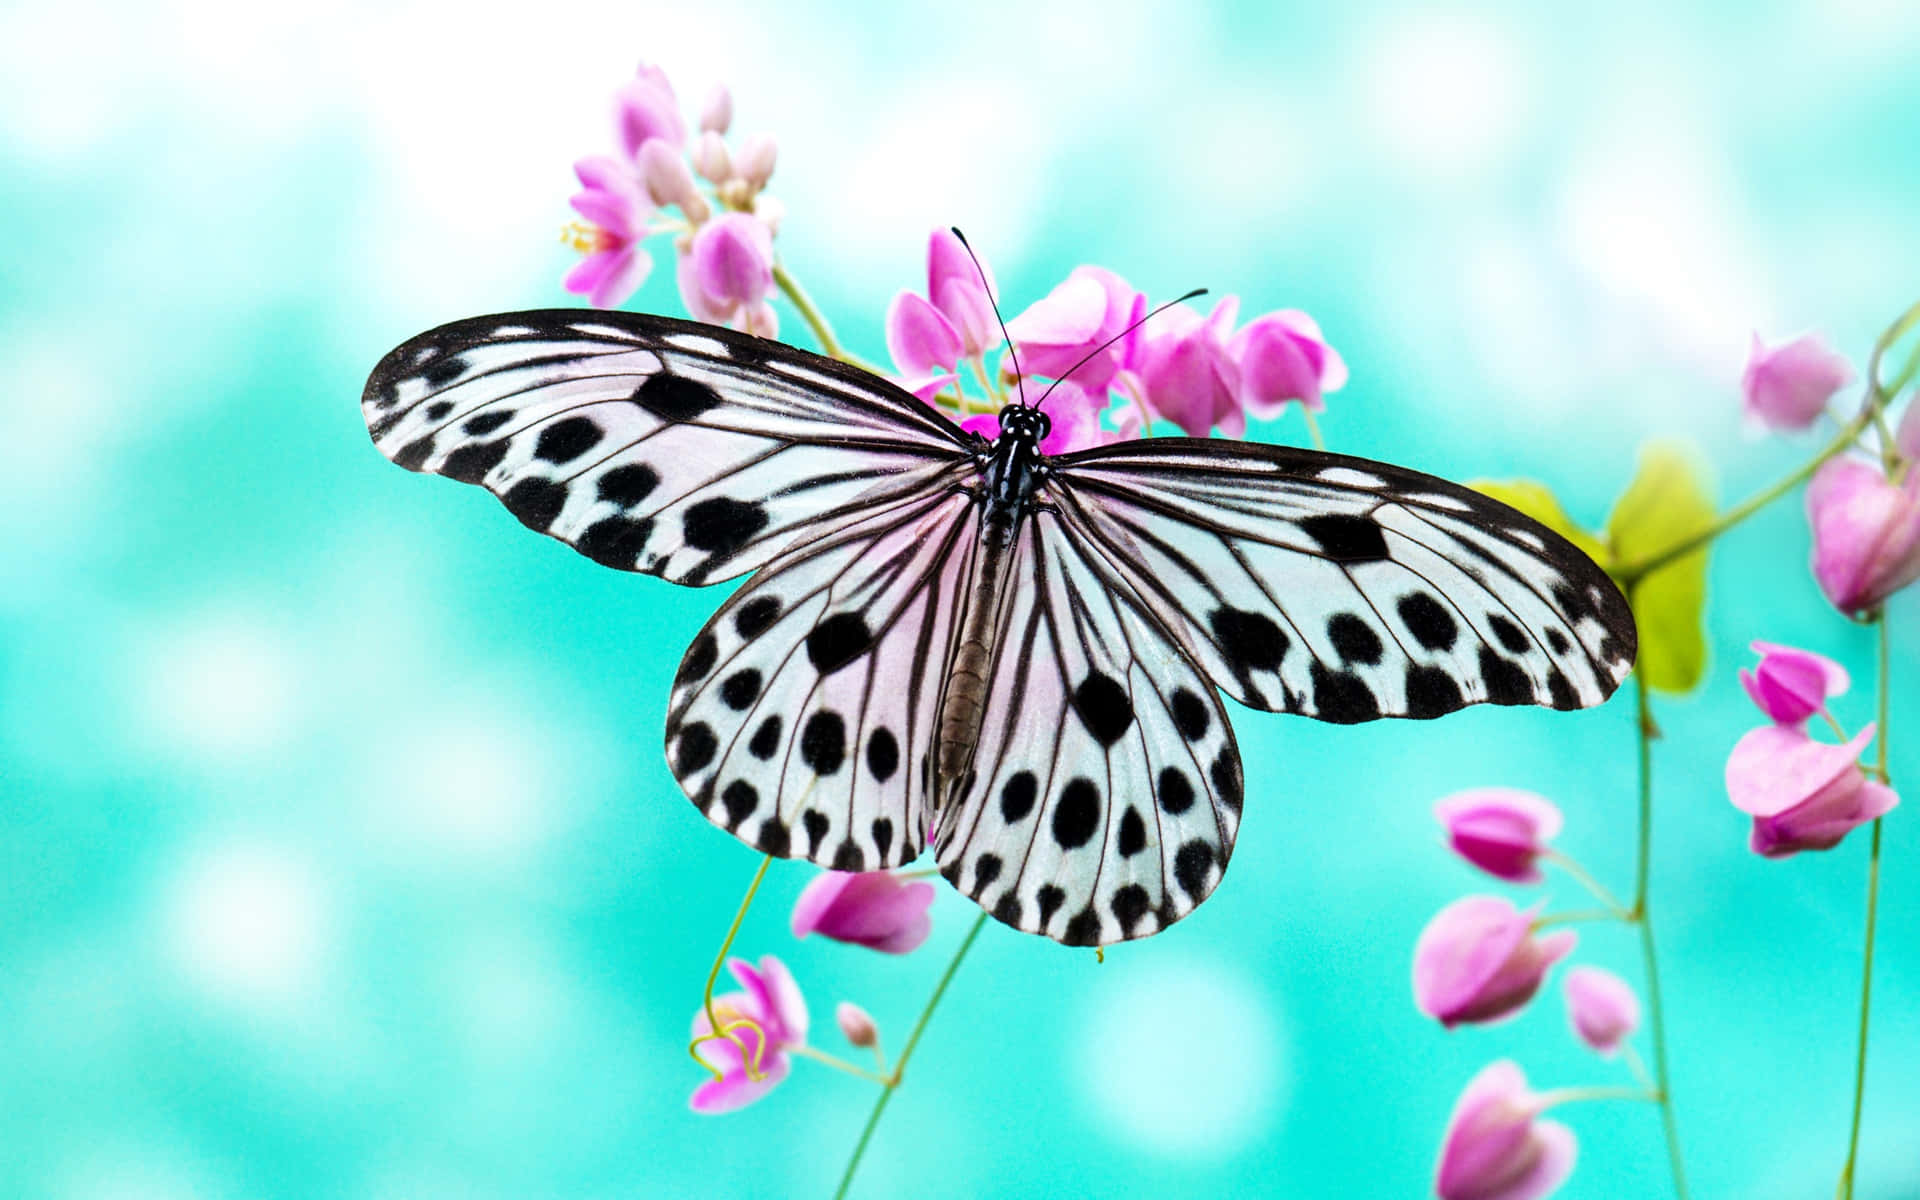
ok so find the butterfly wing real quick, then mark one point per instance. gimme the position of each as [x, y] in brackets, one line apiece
[803, 717]
[1106, 783]
[675, 449]
[1344, 589]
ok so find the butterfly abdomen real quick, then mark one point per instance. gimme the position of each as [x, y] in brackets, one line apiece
[963, 699]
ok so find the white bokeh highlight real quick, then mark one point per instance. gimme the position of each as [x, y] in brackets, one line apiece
[1184, 1058]
[1447, 96]
[217, 687]
[249, 924]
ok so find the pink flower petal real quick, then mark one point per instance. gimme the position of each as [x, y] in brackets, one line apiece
[1788, 386]
[1776, 767]
[1866, 532]
[919, 336]
[626, 271]
[1602, 1007]
[1500, 830]
[735, 1090]
[1496, 1148]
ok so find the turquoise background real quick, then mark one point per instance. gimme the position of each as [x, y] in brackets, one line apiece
[340, 857]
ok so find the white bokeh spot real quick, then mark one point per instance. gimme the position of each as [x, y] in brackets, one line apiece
[1446, 96]
[249, 924]
[1184, 1059]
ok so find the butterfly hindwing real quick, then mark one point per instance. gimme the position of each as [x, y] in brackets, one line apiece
[1345, 589]
[686, 451]
[802, 717]
[1106, 785]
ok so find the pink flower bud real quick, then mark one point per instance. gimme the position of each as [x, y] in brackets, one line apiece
[716, 113]
[875, 909]
[668, 181]
[1802, 794]
[856, 1024]
[919, 338]
[1477, 961]
[754, 165]
[1496, 1147]
[1500, 830]
[1074, 320]
[1866, 532]
[1788, 386]
[646, 110]
[1791, 685]
[955, 287]
[710, 158]
[727, 272]
[1282, 359]
[1602, 1007]
[1183, 367]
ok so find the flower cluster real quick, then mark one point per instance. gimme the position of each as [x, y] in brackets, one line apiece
[745, 1038]
[1481, 960]
[1865, 512]
[1086, 355]
[1802, 794]
[723, 235]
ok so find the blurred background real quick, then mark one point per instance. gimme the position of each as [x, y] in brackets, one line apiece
[340, 857]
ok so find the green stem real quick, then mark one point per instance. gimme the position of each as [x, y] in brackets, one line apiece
[1631, 573]
[1873, 911]
[810, 313]
[1656, 1019]
[1313, 428]
[1581, 877]
[1579, 916]
[714, 1026]
[1894, 332]
[892, 1082]
[1560, 1096]
[837, 1063]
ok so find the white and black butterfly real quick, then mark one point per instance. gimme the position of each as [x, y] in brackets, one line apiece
[1014, 657]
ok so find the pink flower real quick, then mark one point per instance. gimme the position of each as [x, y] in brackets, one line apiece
[1866, 532]
[1788, 386]
[716, 113]
[1282, 359]
[955, 286]
[1477, 961]
[726, 273]
[779, 1012]
[646, 109]
[857, 1024]
[1802, 794]
[1090, 308]
[1906, 438]
[615, 265]
[1496, 1147]
[919, 336]
[1500, 830]
[1182, 367]
[1791, 685]
[1603, 1008]
[875, 909]
[668, 179]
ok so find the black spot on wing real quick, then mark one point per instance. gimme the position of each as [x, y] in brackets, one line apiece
[1076, 813]
[721, 525]
[1353, 639]
[1249, 640]
[1051, 898]
[442, 371]
[1511, 636]
[1507, 682]
[1342, 697]
[414, 455]
[823, 742]
[1017, 795]
[564, 441]
[482, 424]
[740, 799]
[537, 502]
[628, 485]
[694, 749]
[1129, 904]
[1431, 692]
[616, 541]
[1193, 869]
[837, 641]
[1428, 621]
[1083, 928]
[1346, 539]
[883, 754]
[1133, 833]
[1190, 715]
[756, 616]
[816, 824]
[472, 462]
[766, 739]
[775, 838]
[1103, 707]
[674, 397]
[700, 658]
[740, 689]
[1175, 792]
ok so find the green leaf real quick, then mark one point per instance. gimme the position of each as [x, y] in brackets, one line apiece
[1537, 500]
[1666, 503]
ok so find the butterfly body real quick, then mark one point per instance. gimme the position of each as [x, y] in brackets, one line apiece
[1017, 659]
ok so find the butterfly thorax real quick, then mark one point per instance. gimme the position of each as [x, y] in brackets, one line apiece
[1010, 479]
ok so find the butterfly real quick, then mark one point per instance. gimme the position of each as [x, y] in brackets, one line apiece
[949, 642]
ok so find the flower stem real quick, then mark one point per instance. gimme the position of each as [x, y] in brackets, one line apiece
[1580, 916]
[1631, 573]
[716, 1029]
[1873, 911]
[837, 1063]
[900, 1065]
[1560, 1096]
[1313, 428]
[810, 313]
[1581, 877]
[1656, 1020]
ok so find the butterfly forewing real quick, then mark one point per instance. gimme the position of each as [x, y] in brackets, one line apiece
[653, 445]
[1348, 590]
[1106, 785]
[802, 718]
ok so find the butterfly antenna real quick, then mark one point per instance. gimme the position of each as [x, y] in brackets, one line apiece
[1018, 376]
[1095, 352]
